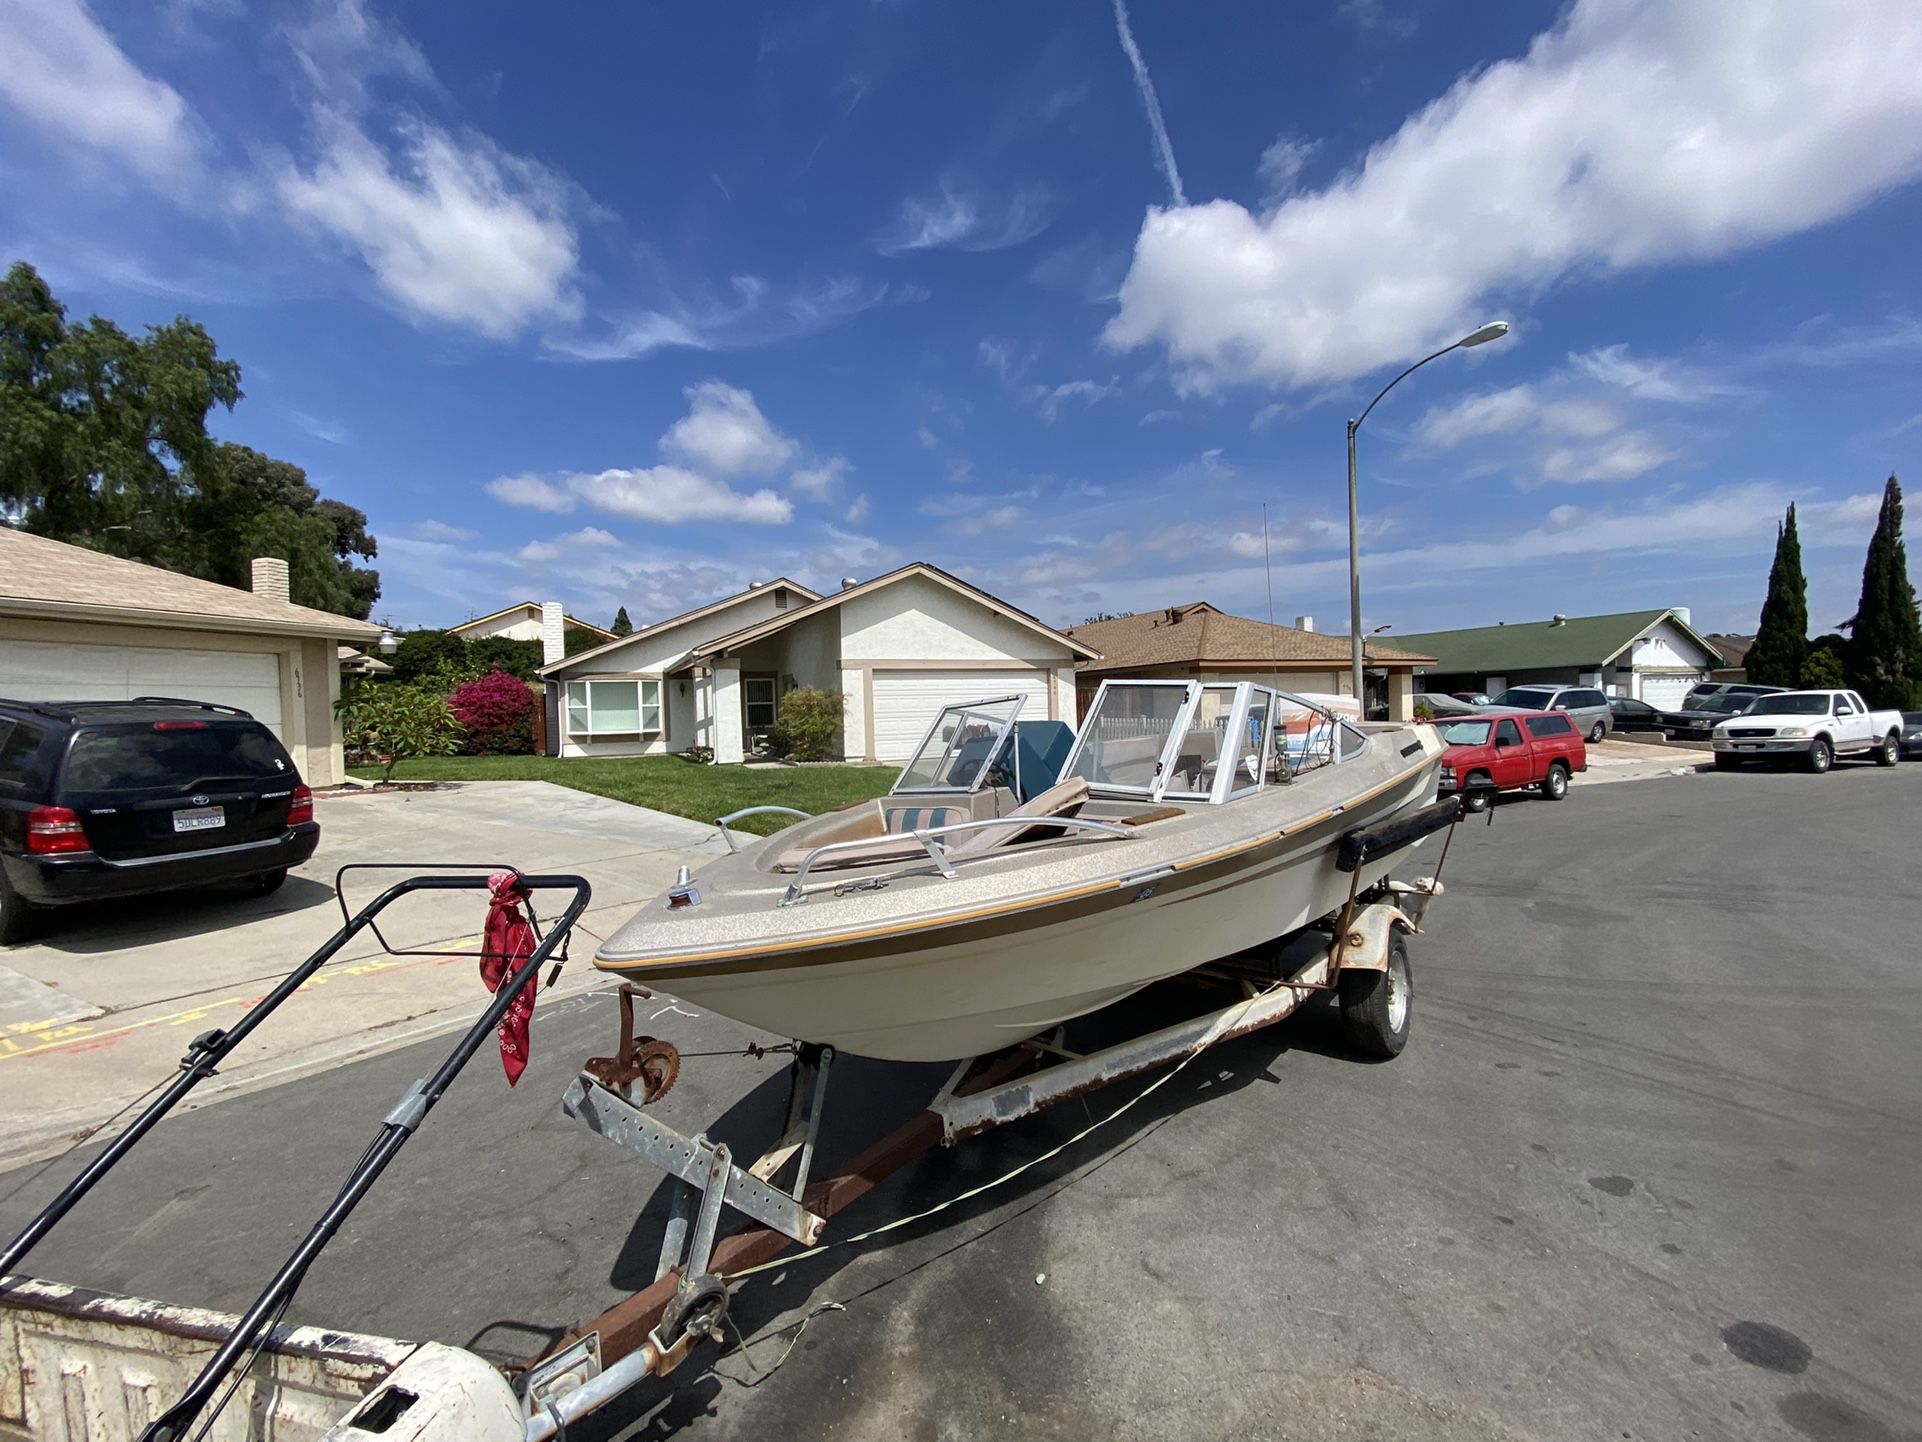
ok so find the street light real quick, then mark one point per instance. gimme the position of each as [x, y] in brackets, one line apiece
[1494, 330]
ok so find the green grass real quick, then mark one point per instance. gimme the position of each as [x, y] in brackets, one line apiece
[666, 783]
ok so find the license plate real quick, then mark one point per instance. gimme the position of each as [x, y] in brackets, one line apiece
[200, 818]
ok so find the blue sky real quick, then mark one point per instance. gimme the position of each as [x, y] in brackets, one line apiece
[634, 304]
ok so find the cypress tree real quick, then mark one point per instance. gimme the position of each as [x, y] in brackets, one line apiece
[622, 626]
[1885, 643]
[1782, 639]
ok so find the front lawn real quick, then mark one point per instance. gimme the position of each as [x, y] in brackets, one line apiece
[666, 783]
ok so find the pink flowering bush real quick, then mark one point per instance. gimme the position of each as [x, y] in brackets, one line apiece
[497, 713]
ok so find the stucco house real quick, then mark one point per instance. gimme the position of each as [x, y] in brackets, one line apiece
[1654, 656]
[1205, 643]
[520, 622]
[898, 648]
[79, 626]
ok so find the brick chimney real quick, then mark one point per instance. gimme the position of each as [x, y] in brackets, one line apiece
[270, 578]
[553, 633]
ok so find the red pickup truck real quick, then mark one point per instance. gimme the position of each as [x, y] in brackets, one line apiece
[1508, 750]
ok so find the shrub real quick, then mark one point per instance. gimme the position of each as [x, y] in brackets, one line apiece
[421, 653]
[517, 658]
[390, 723]
[1822, 671]
[809, 726]
[497, 713]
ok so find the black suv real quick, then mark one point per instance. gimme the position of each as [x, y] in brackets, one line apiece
[102, 799]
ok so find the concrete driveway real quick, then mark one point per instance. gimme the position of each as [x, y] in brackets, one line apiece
[106, 1002]
[1648, 1168]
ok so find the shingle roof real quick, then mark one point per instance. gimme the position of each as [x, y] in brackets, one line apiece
[40, 577]
[1577, 641]
[1200, 634]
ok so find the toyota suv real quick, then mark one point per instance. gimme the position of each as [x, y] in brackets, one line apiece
[102, 799]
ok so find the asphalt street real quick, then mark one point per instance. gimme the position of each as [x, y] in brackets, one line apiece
[1649, 1168]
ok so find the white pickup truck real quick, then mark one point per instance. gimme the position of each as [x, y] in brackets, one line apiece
[1815, 726]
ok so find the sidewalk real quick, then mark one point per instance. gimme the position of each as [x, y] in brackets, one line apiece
[105, 1004]
[1621, 760]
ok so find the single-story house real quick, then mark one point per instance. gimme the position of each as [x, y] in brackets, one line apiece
[1653, 656]
[520, 622]
[1734, 651]
[1208, 644]
[79, 626]
[898, 648]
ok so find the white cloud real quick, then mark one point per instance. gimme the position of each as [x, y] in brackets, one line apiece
[340, 49]
[531, 492]
[569, 546]
[1650, 380]
[1248, 545]
[725, 432]
[1630, 135]
[1621, 458]
[822, 481]
[1150, 104]
[321, 430]
[967, 220]
[1280, 167]
[1493, 413]
[754, 312]
[1049, 399]
[857, 511]
[670, 495]
[66, 73]
[431, 530]
[999, 518]
[454, 230]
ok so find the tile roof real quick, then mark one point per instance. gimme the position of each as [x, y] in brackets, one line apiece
[1200, 634]
[51, 578]
[1573, 641]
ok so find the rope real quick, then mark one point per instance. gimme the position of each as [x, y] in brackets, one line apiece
[1024, 1167]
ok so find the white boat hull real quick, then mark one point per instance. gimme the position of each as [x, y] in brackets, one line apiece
[980, 992]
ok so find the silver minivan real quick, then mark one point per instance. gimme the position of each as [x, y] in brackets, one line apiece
[1586, 706]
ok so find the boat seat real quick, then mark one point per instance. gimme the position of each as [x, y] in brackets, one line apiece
[896, 843]
[1064, 798]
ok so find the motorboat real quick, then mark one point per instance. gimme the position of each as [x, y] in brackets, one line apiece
[996, 892]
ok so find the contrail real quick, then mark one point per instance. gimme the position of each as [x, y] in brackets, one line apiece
[1164, 151]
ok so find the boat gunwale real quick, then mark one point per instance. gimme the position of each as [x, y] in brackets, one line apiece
[848, 945]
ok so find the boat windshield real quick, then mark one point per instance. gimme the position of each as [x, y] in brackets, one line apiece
[1119, 746]
[966, 743]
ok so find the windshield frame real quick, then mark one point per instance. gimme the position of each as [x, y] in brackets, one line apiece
[947, 755]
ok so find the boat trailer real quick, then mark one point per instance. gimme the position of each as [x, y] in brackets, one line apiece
[435, 1393]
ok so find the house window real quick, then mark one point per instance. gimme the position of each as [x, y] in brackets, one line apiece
[613, 708]
[757, 699]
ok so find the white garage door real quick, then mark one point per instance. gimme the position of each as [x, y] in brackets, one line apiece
[906, 702]
[50, 671]
[1666, 693]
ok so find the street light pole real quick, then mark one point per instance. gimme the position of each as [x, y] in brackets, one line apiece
[1494, 330]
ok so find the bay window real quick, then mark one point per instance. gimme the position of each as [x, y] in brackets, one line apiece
[613, 708]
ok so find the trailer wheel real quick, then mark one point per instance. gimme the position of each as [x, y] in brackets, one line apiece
[1375, 1005]
[699, 1308]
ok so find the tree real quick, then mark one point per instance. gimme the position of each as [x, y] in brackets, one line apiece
[245, 504]
[517, 658]
[104, 444]
[1821, 671]
[391, 723]
[423, 653]
[497, 713]
[1782, 640]
[1885, 640]
[97, 426]
[577, 639]
[622, 626]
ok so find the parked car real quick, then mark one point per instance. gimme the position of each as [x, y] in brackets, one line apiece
[1698, 722]
[1473, 698]
[102, 799]
[1494, 752]
[1814, 726]
[1912, 735]
[1625, 713]
[1441, 704]
[1702, 690]
[1586, 704]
